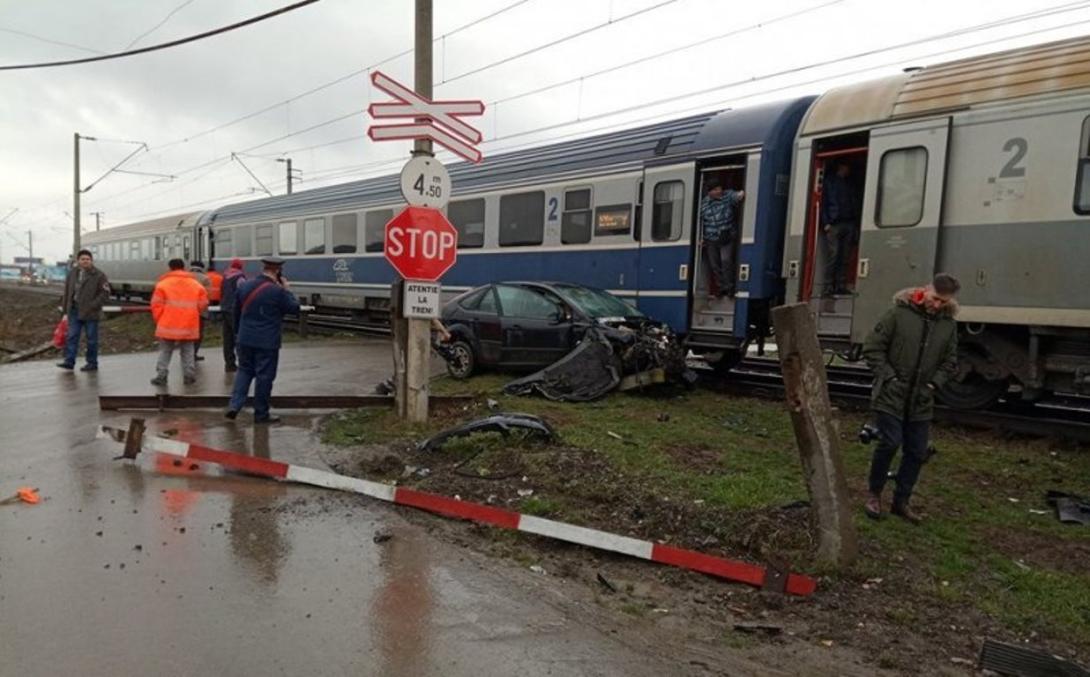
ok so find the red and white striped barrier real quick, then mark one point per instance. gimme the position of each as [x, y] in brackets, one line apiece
[145, 309]
[731, 570]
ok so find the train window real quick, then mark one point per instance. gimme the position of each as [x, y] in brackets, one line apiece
[467, 216]
[314, 236]
[146, 249]
[287, 238]
[223, 243]
[666, 211]
[263, 239]
[374, 229]
[522, 219]
[243, 241]
[134, 250]
[575, 220]
[639, 212]
[185, 247]
[901, 181]
[158, 242]
[1082, 179]
[344, 234]
[613, 220]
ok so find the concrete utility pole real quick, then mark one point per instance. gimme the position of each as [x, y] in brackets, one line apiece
[30, 252]
[98, 219]
[807, 393]
[75, 199]
[289, 174]
[415, 345]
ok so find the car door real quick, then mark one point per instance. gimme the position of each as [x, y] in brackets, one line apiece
[480, 314]
[536, 331]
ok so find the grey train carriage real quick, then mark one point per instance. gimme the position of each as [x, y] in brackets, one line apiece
[979, 168]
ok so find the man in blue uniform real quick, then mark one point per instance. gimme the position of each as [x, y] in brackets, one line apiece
[260, 307]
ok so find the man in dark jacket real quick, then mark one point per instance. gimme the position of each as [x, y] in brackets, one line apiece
[231, 280]
[86, 290]
[260, 307]
[912, 352]
[839, 222]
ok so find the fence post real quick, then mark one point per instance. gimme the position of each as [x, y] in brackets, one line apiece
[807, 394]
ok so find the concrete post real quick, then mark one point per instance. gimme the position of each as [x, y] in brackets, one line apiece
[75, 198]
[807, 393]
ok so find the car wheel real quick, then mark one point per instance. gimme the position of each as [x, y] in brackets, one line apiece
[462, 362]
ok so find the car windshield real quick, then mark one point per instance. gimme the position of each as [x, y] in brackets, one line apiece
[596, 303]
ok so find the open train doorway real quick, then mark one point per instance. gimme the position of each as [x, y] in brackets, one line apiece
[833, 224]
[717, 235]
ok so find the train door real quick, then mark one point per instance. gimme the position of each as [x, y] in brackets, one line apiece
[902, 213]
[665, 210]
[204, 245]
[838, 168]
[713, 299]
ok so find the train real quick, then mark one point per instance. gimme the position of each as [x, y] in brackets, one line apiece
[978, 167]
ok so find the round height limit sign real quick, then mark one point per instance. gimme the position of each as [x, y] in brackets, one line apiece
[425, 183]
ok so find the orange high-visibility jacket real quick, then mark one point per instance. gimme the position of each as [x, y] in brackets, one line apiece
[176, 305]
[217, 286]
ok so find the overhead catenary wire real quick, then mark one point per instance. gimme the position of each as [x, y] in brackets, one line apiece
[164, 45]
[160, 24]
[1039, 13]
[59, 43]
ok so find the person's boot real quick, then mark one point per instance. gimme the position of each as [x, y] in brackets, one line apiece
[160, 380]
[904, 511]
[873, 506]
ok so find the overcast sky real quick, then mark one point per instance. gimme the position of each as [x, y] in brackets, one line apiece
[170, 99]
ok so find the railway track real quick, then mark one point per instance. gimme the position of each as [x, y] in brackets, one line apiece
[849, 387]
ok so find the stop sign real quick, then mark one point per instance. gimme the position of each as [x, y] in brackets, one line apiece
[420, 244]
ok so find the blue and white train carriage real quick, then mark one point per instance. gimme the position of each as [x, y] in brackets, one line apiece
[617, 211]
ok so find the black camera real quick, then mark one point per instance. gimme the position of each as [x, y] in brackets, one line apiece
[868, 433]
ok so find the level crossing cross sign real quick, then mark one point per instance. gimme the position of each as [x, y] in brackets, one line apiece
[420, 244]
[440, 121]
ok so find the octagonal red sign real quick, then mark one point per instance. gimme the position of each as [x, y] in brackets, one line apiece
[420, 244]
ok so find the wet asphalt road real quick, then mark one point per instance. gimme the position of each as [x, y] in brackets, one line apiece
[149, 569]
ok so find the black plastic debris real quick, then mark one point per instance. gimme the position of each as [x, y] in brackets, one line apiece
[1011, 659]
[1070, 509]
[620, 354]
[501, 423]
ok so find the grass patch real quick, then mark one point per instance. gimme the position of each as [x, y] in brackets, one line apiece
[981, 548]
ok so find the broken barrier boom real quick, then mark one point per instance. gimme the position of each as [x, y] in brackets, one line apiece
[731, 570]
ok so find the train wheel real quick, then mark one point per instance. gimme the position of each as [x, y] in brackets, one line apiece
[462, 362]
[972, 392]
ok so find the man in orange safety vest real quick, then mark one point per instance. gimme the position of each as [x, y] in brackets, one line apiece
[176, 306]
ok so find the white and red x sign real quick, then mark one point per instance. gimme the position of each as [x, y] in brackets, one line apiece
[436, 120]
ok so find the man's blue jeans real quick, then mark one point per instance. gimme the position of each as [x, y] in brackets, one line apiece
[71, 341]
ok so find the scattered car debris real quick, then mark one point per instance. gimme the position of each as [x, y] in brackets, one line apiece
[23, 494]
[606, 583]
[537, 569]
[1011, 659]
[1070, 509]
[663, 417]
[502, 423]
[759, 628]
[382, 536]
[524, 493]
[618, 354]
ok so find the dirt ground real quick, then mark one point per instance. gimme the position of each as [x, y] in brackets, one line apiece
[920, 599]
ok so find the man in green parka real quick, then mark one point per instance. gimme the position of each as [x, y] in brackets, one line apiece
[911, 352]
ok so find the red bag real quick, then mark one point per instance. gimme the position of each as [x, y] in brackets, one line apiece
[60, 333]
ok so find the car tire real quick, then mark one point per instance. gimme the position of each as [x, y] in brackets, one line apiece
[463, 362]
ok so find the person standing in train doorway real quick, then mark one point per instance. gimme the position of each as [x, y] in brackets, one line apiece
[231, 280]
[260, 307]
[840, 224]
[719, 236]
[86, 290]
[912, 352]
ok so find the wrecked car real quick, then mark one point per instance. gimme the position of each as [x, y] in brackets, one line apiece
[587, 340]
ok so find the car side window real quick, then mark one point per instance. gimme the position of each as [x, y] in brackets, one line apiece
[487, 304]
[522, 302]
